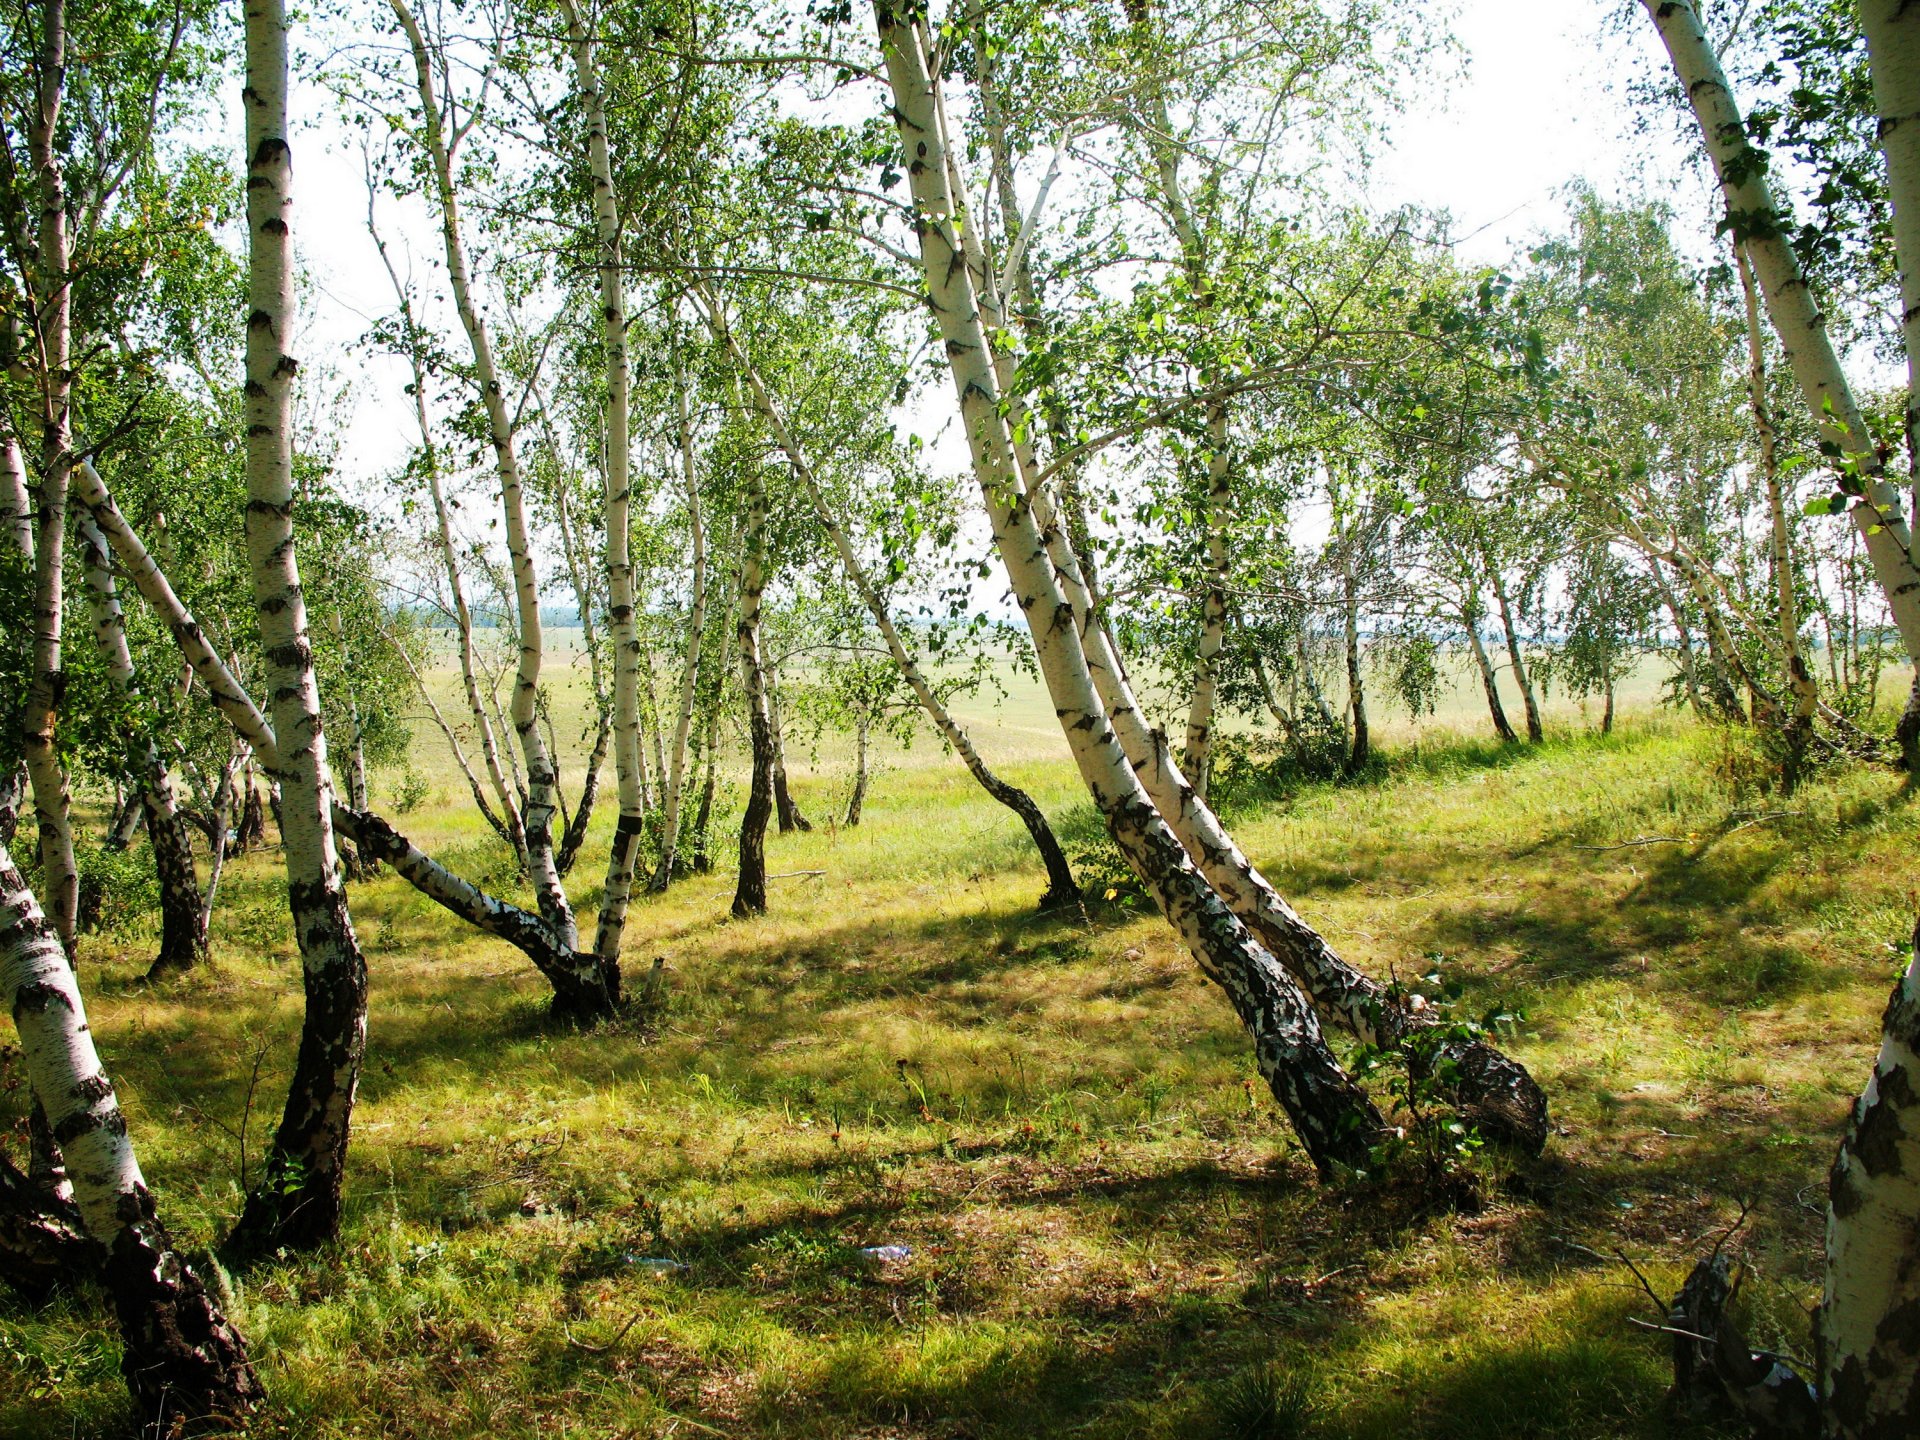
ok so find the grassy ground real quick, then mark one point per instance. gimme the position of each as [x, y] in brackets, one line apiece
[1111, 1232]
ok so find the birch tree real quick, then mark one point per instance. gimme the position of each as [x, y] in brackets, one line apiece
[182, 1357]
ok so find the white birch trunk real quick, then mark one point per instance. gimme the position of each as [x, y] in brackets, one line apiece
[1892, 28]
[1062, 889]
[1758, 222]
[183, 935]
[299, 1198]
[542, 796]
[583, 988]
[1334, 1120]
[750, 891]
[620, 597]
[40, 717]
[183, 1359]
[673, 780]
[1869, 1320]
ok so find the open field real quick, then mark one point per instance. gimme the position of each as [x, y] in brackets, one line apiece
[1111, 1233]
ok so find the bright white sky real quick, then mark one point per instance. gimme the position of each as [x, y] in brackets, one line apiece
[1541, 104]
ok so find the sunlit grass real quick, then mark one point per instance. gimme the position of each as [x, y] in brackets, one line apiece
[1111, 1235]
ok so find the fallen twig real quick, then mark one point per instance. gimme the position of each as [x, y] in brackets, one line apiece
[632, 1320]
[1643, 840]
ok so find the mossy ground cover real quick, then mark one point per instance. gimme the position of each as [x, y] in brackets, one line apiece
[1111, 1233]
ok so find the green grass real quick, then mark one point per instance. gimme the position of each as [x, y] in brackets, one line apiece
[1112, 1233]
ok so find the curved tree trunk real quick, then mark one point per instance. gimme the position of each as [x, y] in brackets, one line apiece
[1797, 318]
[584, 989]
[1489, 680]
[542, 794]
[1334, 1119]
[183, 1360]
[750, 894]
[1062, 888]
[297, 1203]
[183, 937]
[1495, 1092]
[1515, 655]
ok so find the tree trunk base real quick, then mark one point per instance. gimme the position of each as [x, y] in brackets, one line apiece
[186, 1365]
[1716, 1374]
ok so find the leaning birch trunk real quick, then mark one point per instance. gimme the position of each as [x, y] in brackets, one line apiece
[507, 822]
[182, 1358]
[297, 1203]
[1496, 1093]
[674, 780]
[1334, 1120]
[542, 795]
[183, 935]
[750, 893]
[583, 989]
[1489, 681]
[621, 619]
[787, 814]
[1515, 655]
[40, 717]
[1758, 223]
[1062, 888]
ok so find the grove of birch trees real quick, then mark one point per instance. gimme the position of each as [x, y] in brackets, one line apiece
[813, 370]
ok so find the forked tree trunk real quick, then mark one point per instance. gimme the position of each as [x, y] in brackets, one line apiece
[786, 812]
[182, 1358]
[542, 794]
[750, 894]
[1062, 888]
[1495, 1092]
[183, 937]
[40, 716]
[1515, 655]
[621, 610]
[584, 989]
[297, 1203]
[1796, 315]
[856, 802]
[1334, 1119]
[673, 780]
[1489, 679]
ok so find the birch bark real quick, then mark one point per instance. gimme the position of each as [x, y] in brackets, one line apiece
[631, 825]
[1335, 1121]
[182, 1358]
[1062, 889]
[584, 989]
[40, 718]
[183, 935]
[542, 795]
[1875, 506]
[1496, 1093]
[673, 779]
[298, 1202]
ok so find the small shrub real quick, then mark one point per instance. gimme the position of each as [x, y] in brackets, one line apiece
[116, 886]
[1264, 1402]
